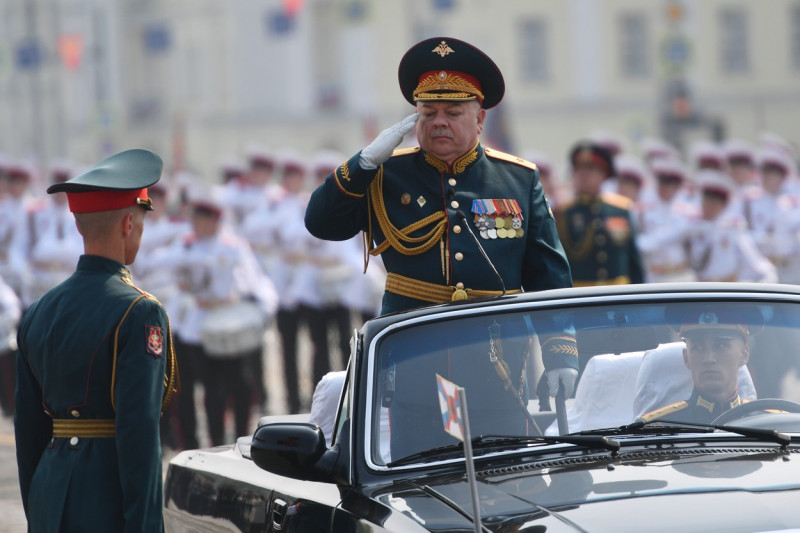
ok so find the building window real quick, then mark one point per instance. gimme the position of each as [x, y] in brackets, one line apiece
[734, 41]
[533, 39]
[634, 46]
[794, 31]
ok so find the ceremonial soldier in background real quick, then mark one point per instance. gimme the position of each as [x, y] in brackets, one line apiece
[663, 223]
[10, 313]
[96, 368]
[55, 241]
[633, 180]
[429, 212]
[773, 216]
[15, 203]
[223, 330]
[596, 228]
[721, 248]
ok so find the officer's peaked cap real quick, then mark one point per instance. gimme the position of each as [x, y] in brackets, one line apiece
[447, 69]
[116, 182]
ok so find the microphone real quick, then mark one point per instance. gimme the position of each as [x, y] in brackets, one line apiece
[463, 218]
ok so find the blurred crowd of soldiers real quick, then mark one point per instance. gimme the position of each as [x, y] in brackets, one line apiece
[232, 260]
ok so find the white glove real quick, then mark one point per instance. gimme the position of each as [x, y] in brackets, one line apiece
[558, 377]
[384, 144]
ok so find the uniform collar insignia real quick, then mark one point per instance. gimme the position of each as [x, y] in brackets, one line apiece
[711, 406]
[705, 404]
[459, 166]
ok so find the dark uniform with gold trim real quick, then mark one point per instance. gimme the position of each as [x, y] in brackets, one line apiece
[424, 215]
[697, 410]
[599, 240]
[596, 230]
[411, 208]
[95, 367]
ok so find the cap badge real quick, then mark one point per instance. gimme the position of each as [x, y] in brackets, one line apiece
[709, 319]
[443, 49]
[442, 75]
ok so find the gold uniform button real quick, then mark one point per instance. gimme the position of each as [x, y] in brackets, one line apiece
[73, 441]
[459, 256]
[602, 257]
[602, 274]
[75, 413]
[454, 204]
[456, 229]
[452, 182]
[460, 286]
[600, 240]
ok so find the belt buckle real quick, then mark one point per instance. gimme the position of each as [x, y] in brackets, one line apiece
[459, 294]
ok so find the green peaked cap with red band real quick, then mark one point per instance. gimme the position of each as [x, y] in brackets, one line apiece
[114, 183]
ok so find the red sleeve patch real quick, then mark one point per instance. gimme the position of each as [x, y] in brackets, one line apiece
[155, 340]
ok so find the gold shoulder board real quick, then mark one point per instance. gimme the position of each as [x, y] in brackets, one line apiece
[661, 412]
[497, 154]
[617, 200]
[405, 151]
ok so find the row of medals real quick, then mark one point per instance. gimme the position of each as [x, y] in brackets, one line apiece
[499, 227]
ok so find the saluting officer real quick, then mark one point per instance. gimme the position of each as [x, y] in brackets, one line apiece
[95, 369]
[429, 211]
[596, 228]
[419, 205]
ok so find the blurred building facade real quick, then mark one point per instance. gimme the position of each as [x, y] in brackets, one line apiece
[193, 79]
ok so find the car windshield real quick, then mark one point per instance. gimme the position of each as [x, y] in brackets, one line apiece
[689, 361]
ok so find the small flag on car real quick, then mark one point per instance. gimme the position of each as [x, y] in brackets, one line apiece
[453, 405]
[450, 407]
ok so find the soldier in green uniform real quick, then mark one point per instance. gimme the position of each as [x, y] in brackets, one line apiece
[431, 211]
[595, 227]
[95, 368]
[717, 345]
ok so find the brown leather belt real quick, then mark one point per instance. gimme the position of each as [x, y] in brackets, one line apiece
[88, 428]
[432, 292]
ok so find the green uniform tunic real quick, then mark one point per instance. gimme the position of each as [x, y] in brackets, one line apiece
[411, 208]
[598, 236]
[67, 371]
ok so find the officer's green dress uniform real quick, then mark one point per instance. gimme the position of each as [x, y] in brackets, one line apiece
[95, 367]
[599, 240]
[418, 211]
[596, 229]
[423, 216]
[411, 208]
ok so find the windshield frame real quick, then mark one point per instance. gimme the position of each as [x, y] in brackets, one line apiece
[530, 303]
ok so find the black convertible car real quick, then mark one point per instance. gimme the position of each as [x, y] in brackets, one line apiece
[644, 444]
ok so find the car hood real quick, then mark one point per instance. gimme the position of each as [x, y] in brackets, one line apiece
[720, 490]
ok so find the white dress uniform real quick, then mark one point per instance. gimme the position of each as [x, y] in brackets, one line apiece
[56, 246]
[220, 271]
[662, 239]
[10, 314]
[723, 250]
[15, 244]
[150, 268]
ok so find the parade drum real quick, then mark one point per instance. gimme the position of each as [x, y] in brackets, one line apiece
[232, 330]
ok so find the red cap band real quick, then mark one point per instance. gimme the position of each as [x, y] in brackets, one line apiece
[103, 200]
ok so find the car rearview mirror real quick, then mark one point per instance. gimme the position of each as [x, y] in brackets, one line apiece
[291, 449]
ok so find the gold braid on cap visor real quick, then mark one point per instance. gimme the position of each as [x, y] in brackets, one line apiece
[456, 87]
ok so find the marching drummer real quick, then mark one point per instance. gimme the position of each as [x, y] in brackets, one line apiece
[224, 328]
